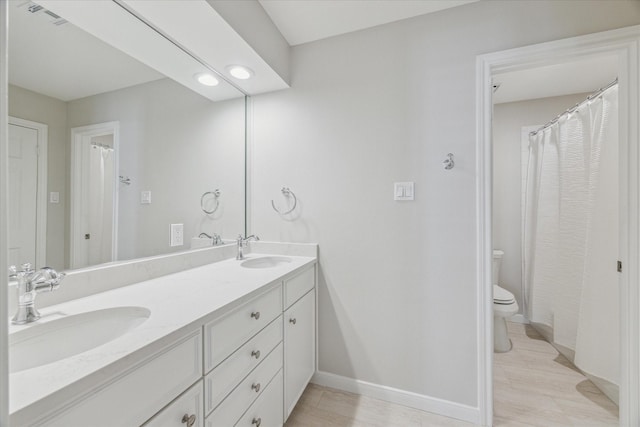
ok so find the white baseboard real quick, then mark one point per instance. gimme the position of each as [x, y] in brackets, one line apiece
[400, 397]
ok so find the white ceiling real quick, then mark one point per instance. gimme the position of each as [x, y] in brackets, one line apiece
[78, 64]
[577, 76]
[65, 62]
[310, 20]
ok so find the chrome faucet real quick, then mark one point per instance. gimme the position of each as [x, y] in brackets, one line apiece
[216, 239]
[30, 284]
[242, 242]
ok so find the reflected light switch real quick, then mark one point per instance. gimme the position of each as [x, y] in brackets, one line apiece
[403, 191]
[54, 197]
[145, 197]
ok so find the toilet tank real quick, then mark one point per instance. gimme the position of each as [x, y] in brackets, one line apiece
[497, 259]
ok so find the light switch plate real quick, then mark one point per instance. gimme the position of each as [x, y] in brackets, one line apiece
[145, 197]
[403, 191]
[54, 197]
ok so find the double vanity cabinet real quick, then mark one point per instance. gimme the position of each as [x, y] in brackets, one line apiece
[244, 364]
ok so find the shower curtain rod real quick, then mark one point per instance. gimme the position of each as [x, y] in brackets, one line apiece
[575, 107]
[105, 146]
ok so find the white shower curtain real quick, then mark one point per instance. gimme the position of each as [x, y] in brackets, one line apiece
[100, 205]
[571, 234]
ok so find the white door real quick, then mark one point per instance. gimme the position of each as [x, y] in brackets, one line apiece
[23, 188]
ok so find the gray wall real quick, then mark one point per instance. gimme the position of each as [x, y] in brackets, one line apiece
[397, 296]
[28, 105]
[173, 142]
[178, 145]
[508, 120]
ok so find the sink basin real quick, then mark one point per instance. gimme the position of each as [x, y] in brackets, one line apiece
[58, 339]
[266, 262]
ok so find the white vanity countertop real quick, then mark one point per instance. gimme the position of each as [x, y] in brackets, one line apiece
[176, 301]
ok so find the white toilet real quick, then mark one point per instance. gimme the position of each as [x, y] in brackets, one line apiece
[504, 306]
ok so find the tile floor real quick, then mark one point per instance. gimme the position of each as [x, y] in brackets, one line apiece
[533, 386]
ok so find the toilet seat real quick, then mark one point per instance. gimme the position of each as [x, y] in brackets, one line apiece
[502, 296]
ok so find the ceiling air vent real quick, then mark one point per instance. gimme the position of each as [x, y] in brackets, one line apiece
[36, 9]
[33, 8]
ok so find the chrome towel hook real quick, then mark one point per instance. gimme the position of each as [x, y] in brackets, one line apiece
[287, 193]
[215, 193]
[449, 163]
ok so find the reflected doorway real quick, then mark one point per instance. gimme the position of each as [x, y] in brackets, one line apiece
[94, 207]
[27, 213]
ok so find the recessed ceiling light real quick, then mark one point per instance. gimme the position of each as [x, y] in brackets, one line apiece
[206, 79]
[240, 72]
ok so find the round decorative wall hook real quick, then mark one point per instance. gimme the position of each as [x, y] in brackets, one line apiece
[449, 163]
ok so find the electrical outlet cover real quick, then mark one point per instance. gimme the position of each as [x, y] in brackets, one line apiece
[177, 234]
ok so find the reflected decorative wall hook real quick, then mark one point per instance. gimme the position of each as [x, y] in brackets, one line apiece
[449, 163]
[215, 193]
[287, 193]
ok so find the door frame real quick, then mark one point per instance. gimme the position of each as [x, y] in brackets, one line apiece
[78, 136]
[41, 186]
[625, 43]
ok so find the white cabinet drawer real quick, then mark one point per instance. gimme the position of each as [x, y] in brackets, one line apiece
[130, 398]
[226, 376]
[185, 410]
[266, 411]
[223, 336]
[299, 285]
[235, 404]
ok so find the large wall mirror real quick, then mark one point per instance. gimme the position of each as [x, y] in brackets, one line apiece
[107, 153]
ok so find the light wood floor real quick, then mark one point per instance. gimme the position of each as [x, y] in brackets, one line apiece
[533, 386]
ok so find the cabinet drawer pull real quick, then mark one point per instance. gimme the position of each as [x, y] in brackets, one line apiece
[189, 420]
[256, 387]
[256, 354]
[257, 421]
[292, 320]
[255, 315]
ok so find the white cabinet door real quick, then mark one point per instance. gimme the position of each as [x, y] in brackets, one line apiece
[299, 349]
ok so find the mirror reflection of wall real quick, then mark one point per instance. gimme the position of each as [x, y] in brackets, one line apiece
[174, 145]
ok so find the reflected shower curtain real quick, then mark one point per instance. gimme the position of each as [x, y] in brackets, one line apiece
[571, 234]
[100, 205]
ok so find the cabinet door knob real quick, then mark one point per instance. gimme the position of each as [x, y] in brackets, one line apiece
[256, 387]
[255, 315]
[189, 420]
[256, 354]
[257, 421]
[293, 320]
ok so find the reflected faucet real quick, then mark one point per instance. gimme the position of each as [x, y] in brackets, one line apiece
[216, 239]
[30, 284]
[242, 242]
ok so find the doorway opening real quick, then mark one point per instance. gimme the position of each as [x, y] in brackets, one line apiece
[623, 45]
[555, 239]
[94, 194]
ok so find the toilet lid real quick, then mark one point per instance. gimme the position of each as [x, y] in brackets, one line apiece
[502, 296]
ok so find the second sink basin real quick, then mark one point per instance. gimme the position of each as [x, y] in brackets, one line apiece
[266, 262]
[49, 342]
